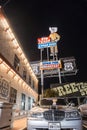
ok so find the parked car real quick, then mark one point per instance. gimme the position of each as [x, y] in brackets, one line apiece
[54, 114]
[83, 108]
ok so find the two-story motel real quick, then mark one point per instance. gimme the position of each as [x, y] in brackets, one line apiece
[18, 83]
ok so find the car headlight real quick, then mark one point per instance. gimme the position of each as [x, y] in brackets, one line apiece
[72, 115]
[36, 115]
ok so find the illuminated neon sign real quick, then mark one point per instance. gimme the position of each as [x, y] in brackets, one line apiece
[43, 40]
[46, 65]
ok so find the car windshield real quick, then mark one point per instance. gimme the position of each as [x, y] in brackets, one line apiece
[85, 101]
[49, 101]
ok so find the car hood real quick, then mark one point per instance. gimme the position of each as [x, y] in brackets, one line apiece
[83, 106]
[62, 108]
[38, 109]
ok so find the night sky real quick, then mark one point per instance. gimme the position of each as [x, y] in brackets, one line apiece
[31, 19]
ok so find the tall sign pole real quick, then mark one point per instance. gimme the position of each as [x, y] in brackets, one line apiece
[42, 76]
[54, 36]
[60, 81]
[49, 42]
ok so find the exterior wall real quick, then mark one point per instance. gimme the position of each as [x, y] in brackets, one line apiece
[9, 46]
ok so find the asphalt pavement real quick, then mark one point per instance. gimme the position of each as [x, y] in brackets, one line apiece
[20, 124]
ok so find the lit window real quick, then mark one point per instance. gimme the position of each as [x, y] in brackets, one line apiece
[29, 103]
[23, 99]
[13, 94]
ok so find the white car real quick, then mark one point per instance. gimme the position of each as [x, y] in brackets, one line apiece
[83, 108]
[58, 116]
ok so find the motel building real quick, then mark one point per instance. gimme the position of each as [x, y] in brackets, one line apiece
[18, 83]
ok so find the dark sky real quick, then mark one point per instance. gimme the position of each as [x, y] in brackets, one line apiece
[30, 19]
